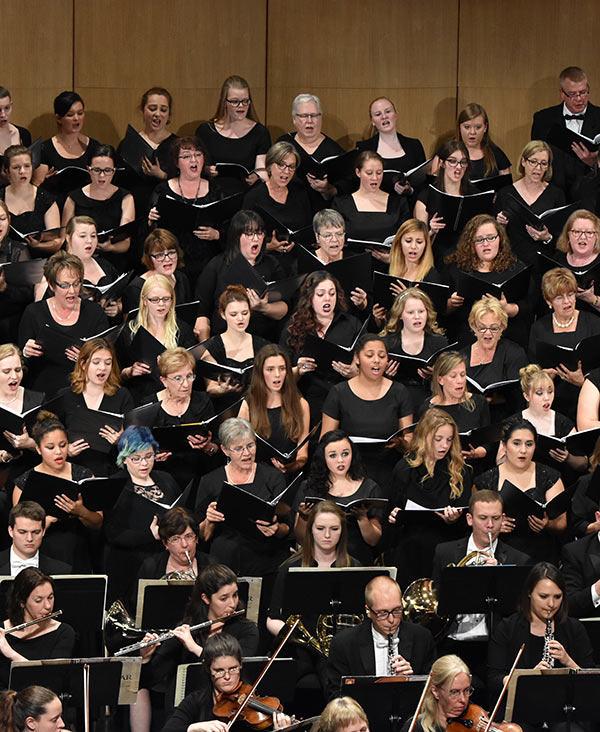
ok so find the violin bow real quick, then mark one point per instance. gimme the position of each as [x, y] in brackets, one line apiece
[504, 688]
[421, 702]
[262, 675]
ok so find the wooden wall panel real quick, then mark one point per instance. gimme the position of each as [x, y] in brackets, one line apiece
[349, 51]
[510, 55]
[187, 46]
[37, 58]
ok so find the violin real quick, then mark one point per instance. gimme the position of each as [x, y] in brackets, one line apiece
[477, 719]
[257, 711]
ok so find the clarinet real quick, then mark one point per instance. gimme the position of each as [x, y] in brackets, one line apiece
[391, 655]
[548, 636]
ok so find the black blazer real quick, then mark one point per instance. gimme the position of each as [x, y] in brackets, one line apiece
[454, 551]
[581, 568]
[353, 654]
[47, 565]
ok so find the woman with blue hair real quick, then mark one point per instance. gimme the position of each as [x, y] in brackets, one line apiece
[132, 525]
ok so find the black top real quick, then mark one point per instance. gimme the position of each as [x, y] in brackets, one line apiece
[31, 221]
[522, 244]
[327, 148]
[466, 419]
[107, 213]
[24, 139]
[57, 643]
[14, 297]
[584, 505]
[294, 213]
[478, 166]
[214, 280]
[414, 155]
[248, 554]
[44, 373]
[508, 359]
[196, 707]
[131, 296]
[241, 150]
[371, 225]
[53, 159]
[561, 259]
[368, 488]
[432, 492]
[566, 394]
[540, 546]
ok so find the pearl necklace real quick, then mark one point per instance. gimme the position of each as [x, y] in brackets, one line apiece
[64, 320]
[10, 401]
[558, 324]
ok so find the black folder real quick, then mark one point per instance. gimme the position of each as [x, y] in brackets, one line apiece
[486, 390]
[417, 176]
[134, 148]
[585, 276]
[494, 183]
[98, 494]
[146, 348]
[472, 287]
[563, 138]
[41, 235]
[28, 272]
[242, 509]
[335, 167]
[351, 272]
[35, 150]
[304, 235]
[479, 436]
[518, 505]
[265, 450]
[123, 231]
[383, 295]
[243, 273]
[324, 351]
[113, 290]
[180, 217]
[554, 218]
[408, 366]
[368, 503]
[85, 424]
[215, 371]
[550, 355]
[458, 210]
[361, 245]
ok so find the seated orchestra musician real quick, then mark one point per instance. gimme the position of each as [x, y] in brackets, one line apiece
[156, 528]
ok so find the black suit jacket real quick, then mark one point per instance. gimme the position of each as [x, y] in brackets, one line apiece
[566, 168]
[454, 551]
[581, 568]
[47, 565]
[352, 652]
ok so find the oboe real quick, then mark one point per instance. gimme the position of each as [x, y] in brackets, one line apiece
[391, 655]
[548, 636]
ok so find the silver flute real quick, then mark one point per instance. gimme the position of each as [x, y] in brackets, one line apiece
[33, 622]
[548, 636]
[187, 555]
[171, 634]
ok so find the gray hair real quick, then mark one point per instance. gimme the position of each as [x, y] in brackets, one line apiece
[327, 217]
[233, 429]
[302, 99]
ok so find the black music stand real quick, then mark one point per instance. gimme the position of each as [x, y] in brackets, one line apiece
[554, 695]
[82, 599]
[312, 591]
[592, 627]
[490, 589]
[279, 681]
[387, 700]
[82, 683]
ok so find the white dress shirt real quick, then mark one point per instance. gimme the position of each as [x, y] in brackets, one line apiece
[17, 564]
[380, 643]
[574, 125]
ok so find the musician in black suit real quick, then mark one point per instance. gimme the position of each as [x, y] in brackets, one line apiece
[383, 645]
[581, 570]
[468, 634]
[26, 527]
[579, 115]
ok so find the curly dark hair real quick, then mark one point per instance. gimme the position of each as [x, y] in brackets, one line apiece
[303, 320]
[465, 257]
[318, 483]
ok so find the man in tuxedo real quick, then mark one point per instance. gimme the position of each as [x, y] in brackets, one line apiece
[468, 633]
[383, 645]
[579, 115]
[26, 527]
[581, 570]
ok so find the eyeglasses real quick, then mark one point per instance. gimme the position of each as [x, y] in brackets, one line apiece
[543, 164]
[383, 614]
[316, 115]
[181, 379]
[191, 156]
[575, 94]
[135, 459]
[454, 163]
[254, 234]
[494, 329]
[233, 671]
[582, 233]
[68, 285]
[239, 102]
[239, 449]
[99, 171]
[489, 237]
[157, 300]
[330, 236]
[291, 166]
[170, 254]
[176, 540]
[566, 296]
[455, 693]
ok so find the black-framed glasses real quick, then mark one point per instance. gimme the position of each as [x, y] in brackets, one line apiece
[397, 612]
[290, 166]
[575, 94]
[454, 163]
[161, 256]
[156, 300]
[68, 285]
[543, 164]
[239, 102]
[100, 171]
[489, 237]
[135, 459]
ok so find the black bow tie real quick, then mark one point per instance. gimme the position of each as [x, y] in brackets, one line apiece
[574, 116]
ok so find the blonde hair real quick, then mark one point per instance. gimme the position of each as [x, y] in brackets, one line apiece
[428, 425]
[533, 147]
[175, 358]
[397, 260]
[444, 670]
[9, 349]
[74, 221]
[340, 713]
[392, 325]
[564, 243]
[485, 306]
[533, 375]
[444, 363]
[558, 281]
[141, 319]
